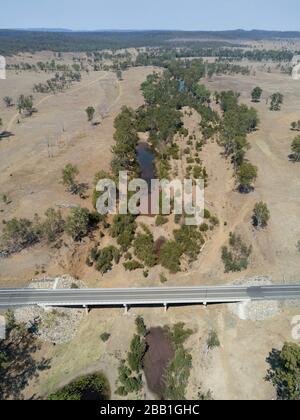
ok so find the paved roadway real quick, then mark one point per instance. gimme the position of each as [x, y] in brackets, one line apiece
[150, 296]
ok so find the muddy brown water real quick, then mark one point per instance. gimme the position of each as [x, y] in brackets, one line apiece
[160, 352]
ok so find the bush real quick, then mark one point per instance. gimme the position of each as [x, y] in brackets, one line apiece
[53, 226]
[247, 175]
[105, 337]
[213, 340]
[207, 214]
[237, 257]
[178, 334]
[190, 241]
[133, 265]
[296, 149]
[77, 223]
[284, 372]
[129, 383]
[69, 174]
[18, 234]
[204, 227]
[92, 386]
[161, 220]
[123, 228]
[136, 354]
[144, 249]
[276, 101]
[163, 279]
[261, 215]
[169, 257]
[105, 258]
[177, 375]
[141, 326]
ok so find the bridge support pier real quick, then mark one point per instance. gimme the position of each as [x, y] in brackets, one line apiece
[126, 307]
[166, 307]
[87, 309]
[205, 304]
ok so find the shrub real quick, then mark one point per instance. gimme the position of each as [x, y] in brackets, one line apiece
[213, 340]
[284, 371]
[296, 149]
[177, 375]
[161, 220]
[276, 101]
[237, 257]
[169, 257]
[129, 383]
[123, 228]
[105, 258]
[214, 221]
[141, 326]
[204, 227]
[90, 112]
[96, 385]
[18, 234]
[53, 226]
[207, 214]
[178, 334]
[261, 215]
[144, 249]
[163, 278]
[190, 241]
[136, 354]
[105, 337]
[247, 174]
[133, 265]
[256, 94]
[77, 223]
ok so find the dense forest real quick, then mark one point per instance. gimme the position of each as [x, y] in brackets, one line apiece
[16, 41]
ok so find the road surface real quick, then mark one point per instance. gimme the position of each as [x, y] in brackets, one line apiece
[145, 297]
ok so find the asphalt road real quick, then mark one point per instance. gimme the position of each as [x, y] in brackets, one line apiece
[151, 296]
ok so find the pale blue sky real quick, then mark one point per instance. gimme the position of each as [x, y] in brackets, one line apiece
[152, 14]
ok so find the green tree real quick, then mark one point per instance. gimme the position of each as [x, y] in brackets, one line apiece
[90, 112]
[247, 174]
[105, 258]
[169, 256]
[53, 226]
[94, 386]
[144, 249]
[8, 101]
[284, 372]
[141, 326]
[137, 352]
[276, 101]
[261, 215]
[213, 340]
[18, 234]
[77, 223]
[236, 257]
[69, 174]
[25, 104]
[256, 94]
[123, 228]
[296, 149]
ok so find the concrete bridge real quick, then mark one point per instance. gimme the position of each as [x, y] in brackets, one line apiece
[145, 296]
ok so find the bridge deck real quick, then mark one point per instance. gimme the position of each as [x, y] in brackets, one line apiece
[146, 296]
